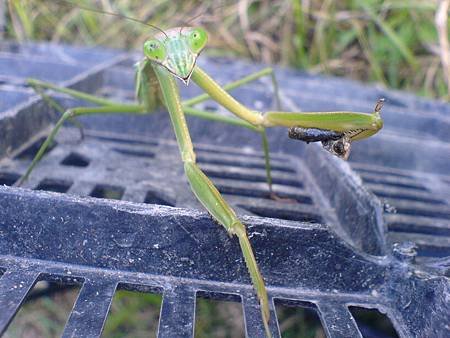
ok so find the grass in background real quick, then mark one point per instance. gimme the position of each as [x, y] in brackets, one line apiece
[43, 317]
[395, 42]
[133, 315]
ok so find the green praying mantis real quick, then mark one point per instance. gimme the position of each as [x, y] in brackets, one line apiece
[170, 56]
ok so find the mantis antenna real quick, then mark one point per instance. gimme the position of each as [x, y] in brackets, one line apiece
[96, 10]
[199, 15]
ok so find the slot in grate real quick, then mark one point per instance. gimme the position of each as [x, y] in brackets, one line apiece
[133, 314]
[40, 316]
[55, 185]
[298, 319]
[8, 178]
[108, 191]
[152, 197]
[227, 318]
[75, 160]
[29, 152]
[373, 323]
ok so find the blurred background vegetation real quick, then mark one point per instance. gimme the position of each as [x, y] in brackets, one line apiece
[401, 44]
[398, 43]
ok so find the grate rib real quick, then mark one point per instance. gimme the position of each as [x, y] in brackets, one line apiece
[337, 321]
[91, 308]
[14, 287]
[254, 326]
[177, 313]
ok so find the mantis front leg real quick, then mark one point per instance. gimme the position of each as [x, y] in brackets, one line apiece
[351, 125]
[206, 192]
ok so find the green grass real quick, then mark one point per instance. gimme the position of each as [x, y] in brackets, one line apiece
[390, 42]
[44, 317]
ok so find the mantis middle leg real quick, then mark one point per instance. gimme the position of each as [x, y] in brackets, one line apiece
[70, 114]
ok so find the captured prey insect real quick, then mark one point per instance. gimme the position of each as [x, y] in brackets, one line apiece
[172, 54]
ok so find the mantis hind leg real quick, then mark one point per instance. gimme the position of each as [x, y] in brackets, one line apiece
[70, 114]
[106, 106]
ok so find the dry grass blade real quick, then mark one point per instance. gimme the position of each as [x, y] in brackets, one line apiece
[441, 20]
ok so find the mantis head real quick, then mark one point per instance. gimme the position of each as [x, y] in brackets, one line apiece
[177, 50]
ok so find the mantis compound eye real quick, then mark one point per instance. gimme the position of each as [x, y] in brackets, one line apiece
[155, 50]
[197, 39]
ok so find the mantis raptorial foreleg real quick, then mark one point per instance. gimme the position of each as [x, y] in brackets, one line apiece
[353, 126]
[204, 189]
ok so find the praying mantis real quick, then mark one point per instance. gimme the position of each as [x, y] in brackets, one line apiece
[170, 57]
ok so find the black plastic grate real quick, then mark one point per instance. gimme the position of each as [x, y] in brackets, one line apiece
[126, 170]
[116, 226]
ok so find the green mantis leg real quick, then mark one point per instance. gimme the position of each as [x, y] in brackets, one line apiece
[265, 144]
[52, 103]
[72, 92]
[235, 84]
[39, 85]
[366, 125]
[204, 189]
[69, 114]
